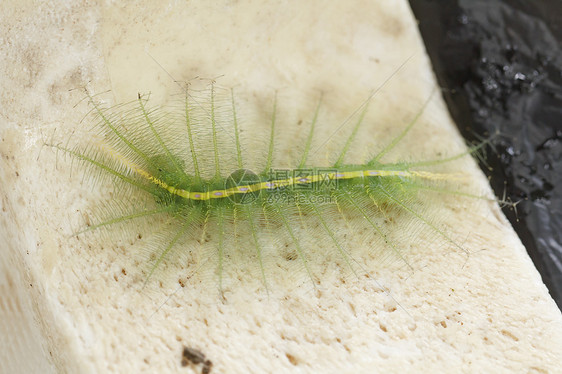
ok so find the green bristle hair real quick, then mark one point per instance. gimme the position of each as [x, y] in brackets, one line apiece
[185, 172]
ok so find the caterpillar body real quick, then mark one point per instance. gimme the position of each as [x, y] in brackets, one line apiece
[184, 173]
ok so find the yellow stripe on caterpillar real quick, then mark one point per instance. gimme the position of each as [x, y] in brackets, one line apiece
[274, 184]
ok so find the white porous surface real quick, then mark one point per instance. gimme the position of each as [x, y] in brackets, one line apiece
[76, 304]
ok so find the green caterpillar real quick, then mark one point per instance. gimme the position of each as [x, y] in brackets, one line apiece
[184, 171]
